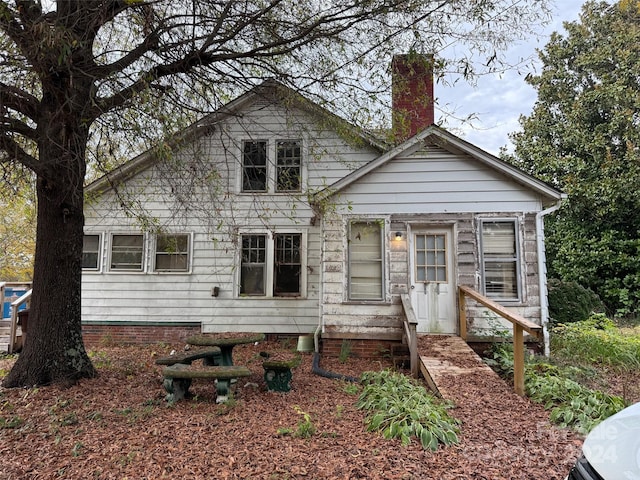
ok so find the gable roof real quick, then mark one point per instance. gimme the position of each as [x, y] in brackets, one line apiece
[438, 136]
[270, 88]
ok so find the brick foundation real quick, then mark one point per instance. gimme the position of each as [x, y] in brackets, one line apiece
[131, 334]
[357, 348]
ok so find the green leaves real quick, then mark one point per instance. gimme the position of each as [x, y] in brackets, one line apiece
[583, 136]
[401, 408]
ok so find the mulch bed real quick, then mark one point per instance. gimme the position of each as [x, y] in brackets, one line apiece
[118, 426]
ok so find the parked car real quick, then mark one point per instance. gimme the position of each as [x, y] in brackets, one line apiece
[612, 450]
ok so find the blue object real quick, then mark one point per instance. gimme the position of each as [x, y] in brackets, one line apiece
[11, 294]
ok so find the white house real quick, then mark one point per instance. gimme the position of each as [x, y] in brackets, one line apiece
[272, 215]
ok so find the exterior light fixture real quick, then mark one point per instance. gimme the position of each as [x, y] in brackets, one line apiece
[398, 236]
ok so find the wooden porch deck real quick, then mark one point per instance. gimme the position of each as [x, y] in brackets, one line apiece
[446, 358]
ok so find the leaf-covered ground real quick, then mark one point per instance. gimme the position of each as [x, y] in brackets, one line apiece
[118, 426]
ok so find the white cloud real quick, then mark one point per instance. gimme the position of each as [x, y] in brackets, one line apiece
[497, 102]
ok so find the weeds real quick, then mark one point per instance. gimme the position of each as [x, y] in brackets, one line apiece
[345, 351]
[597, 340]
[11, 422]
[305, 428]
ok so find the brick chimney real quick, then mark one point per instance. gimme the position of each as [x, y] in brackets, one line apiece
[412, 94]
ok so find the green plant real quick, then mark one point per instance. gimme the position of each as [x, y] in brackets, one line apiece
[596, 340]
[571, 302]
[306, 427]
[11, 422]
[351, 388]
[400, 408]
[345, 351]
[501, 358]
[77, 449]
[570, 403]
[99, 358]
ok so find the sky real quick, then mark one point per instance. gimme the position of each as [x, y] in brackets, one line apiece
[498, 101]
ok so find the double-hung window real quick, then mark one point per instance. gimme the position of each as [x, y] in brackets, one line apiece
[271, 266]
[254, 166]
[288, 166]
[172, 253]
[271, 166]
[366, 261]
[500, 259]
[91, 246]
[127, 253]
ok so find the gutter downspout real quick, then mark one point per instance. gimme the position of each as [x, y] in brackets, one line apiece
[316, 334]
[542, 273]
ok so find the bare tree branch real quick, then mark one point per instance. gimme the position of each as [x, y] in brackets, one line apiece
[14, 152]
[19, 100]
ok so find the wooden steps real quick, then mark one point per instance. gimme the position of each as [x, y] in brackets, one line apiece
[5, 329]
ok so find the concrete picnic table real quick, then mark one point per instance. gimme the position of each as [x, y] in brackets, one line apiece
[224, 341]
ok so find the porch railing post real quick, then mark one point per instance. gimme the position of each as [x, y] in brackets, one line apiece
[462, 314]
[518, 359]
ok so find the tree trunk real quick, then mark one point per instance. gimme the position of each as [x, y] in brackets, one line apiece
[54, 351]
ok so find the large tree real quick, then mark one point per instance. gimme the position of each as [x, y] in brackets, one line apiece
[74, 72]
[584, 137]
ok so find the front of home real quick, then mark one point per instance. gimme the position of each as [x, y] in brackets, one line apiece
[272, 215]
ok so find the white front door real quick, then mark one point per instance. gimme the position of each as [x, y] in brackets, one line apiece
[432, 280]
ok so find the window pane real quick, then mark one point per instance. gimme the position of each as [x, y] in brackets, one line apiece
[288, 166]
[499, 238]
[287, 265]
[90, 252]
[126, 252]
[501, 280]
[172, 253]
[252, 269]
[365, 261]
[500, 259]
[254, 166]
[431, 258]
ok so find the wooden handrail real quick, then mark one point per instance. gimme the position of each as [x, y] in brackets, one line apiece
[520, 325]
[410, 324]
[15, 307]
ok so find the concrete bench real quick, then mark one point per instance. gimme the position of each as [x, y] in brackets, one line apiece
[178, 377]
[210, 356]
[277, 373]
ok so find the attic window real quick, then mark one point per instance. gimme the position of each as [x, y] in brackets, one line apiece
[288, 163]
[254, 166]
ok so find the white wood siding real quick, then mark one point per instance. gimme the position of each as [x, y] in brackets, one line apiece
[428, 188]
[197, 192]
[433, 180]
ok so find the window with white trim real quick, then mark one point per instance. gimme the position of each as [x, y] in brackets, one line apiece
[271, 166]
[288, 165]
[366, 260]
[500, 259]
[254, 166]
[172, 252]
[272, 266]
[126, 252]
[91, 246]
